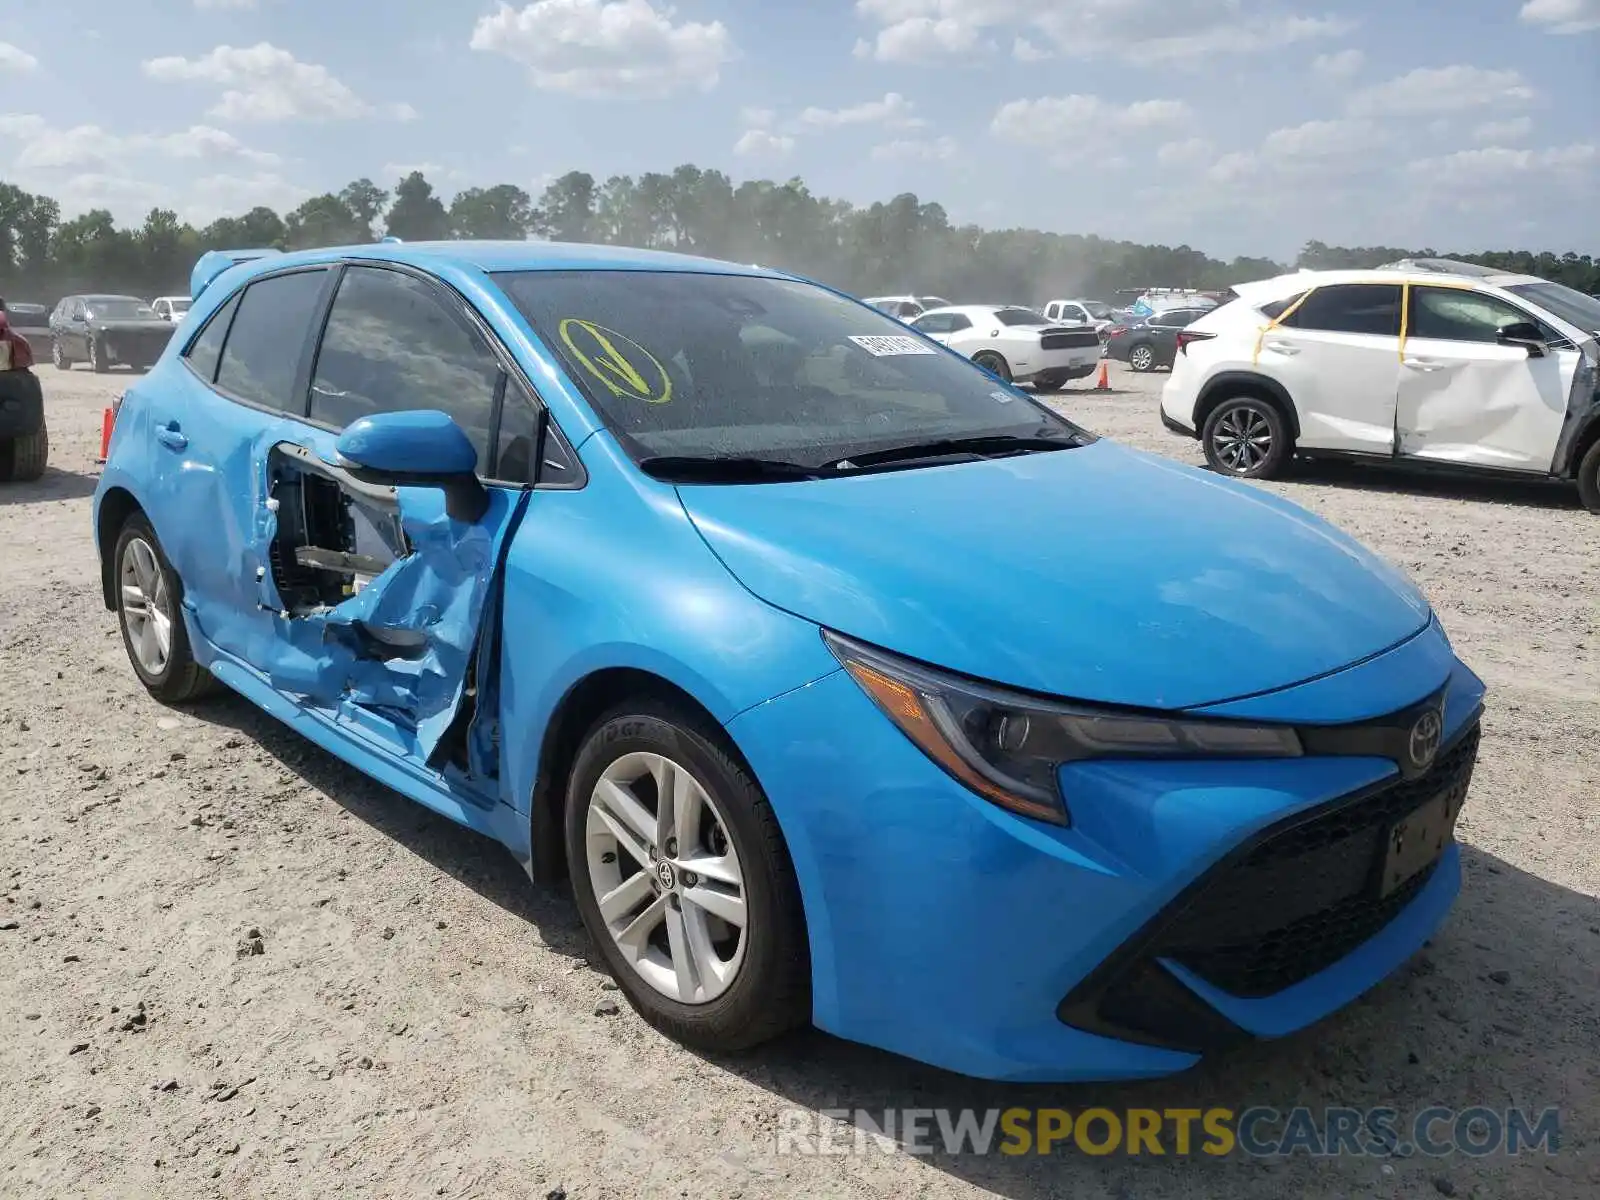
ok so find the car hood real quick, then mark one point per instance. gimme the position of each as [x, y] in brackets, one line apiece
[1098, 574]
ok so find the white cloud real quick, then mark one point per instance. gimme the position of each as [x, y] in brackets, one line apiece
[1498, 133]
[894, 111]
[1492, 166]
[758, 118]
[436, 172]
[1345, 64]
[1428, 91]
[1310, 150]
[14, 58]
[915, 150]
[1563, 16]
[926, 31]
[760, 142]
[606, 47]
[89, 148]
[1191, 150]
[1074, 128]
[265, 83]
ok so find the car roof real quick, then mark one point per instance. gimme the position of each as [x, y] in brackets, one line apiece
[492, 256]
[105, 296]
[1298, 281]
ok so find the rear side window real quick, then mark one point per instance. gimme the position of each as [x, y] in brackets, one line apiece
[935, 323]
[392, 344]
[205, 352]
[261, 358]
[1278, 307]
[1370, 308]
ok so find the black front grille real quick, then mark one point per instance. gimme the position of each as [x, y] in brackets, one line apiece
[1073, 340]
[140, 347]
[1292, 903]
[1304, 897]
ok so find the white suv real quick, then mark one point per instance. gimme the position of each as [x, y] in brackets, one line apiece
[1404, 364]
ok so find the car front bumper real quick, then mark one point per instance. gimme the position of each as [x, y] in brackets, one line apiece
[1128, 945]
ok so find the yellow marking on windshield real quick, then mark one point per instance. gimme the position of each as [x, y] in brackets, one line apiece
[622, 372]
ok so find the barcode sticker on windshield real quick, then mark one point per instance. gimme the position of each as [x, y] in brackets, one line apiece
[1002, 397]
[887, 345]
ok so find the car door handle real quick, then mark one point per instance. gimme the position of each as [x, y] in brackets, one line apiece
[170, 436]
[1278, 347]
[1424, 364]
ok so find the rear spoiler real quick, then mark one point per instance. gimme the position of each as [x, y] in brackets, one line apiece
[214, 262]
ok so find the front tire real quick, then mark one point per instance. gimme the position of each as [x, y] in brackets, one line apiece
[663, 888]
[58, 355]
[97, 358]
[1247, 438]
[149, 611]
[1589, 479]
[23, 458]
[1142, 358]
[994, 364]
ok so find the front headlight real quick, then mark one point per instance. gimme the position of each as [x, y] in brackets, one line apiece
[1009, 747]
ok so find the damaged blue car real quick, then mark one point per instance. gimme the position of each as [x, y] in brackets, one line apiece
[846, 683]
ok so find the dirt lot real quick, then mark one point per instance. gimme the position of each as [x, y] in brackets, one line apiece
[423, 1022]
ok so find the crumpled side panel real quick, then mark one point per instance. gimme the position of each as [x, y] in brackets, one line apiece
[405, 641]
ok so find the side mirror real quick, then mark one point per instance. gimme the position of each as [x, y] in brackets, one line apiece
[423, 448]
[1525, 334]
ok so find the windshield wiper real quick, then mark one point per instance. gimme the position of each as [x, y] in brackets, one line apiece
[989, 445]
[721, 468]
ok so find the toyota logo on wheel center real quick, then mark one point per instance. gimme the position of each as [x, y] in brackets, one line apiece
[665, 874]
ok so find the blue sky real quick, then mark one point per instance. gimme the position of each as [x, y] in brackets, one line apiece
[1237, 126]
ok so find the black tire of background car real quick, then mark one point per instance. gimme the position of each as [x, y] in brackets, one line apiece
[182, 680]
[23, 458]
[1049, 385]
[1278, 456]
[1134, 358]
[772, 992]
[994, 364]
[1589, 479]
[59, 356]
[97, 357]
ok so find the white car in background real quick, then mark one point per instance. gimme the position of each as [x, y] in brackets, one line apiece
[1017, 344]
[1080, 312]
[906, 308]
[171, 308]
[1408, 364]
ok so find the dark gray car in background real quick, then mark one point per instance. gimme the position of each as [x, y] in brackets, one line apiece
[106, 331]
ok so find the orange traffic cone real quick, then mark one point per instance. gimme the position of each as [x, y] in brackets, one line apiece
[1103, 384]
[107, 420]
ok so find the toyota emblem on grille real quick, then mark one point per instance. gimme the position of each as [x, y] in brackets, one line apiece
[1424, 742]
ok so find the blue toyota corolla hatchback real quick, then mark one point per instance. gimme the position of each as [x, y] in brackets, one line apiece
[847, 683]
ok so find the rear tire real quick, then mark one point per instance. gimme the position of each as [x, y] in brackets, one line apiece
[735, 834]
[1589, 479]
[1048, 385]
[994, 364]
[23, 458]
[1142, 357]
[1247, 438]
[150, 611]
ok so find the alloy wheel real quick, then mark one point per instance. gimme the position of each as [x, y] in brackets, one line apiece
[1242, 439]
[666, 877]
[146, 606]
[57, 355]
[1142, 358]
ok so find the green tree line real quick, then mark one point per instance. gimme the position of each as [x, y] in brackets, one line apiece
[896, 246]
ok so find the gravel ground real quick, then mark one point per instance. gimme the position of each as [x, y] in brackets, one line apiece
[230, 965]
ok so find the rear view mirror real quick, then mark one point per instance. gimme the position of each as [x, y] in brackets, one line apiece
[1525, 334]
[422, 448]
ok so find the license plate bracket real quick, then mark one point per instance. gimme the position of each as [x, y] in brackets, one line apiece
[1416, 841]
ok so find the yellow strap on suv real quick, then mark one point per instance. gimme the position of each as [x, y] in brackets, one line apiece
[1255, 359]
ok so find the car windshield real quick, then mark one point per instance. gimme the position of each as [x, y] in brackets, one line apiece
[706, 365]
[179, 305]
[1567, 303]
[117, 308]
[1097, 310]
[1020, 316]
